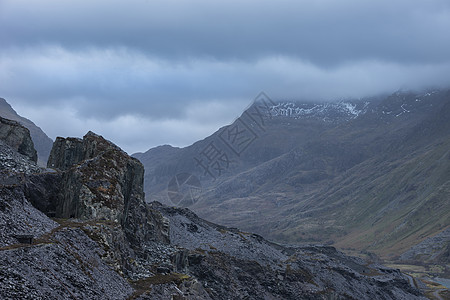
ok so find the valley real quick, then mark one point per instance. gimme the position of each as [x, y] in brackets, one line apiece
[81, 229]
[370, 177]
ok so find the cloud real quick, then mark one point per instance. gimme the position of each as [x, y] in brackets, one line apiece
[131, 132]
[323, 32]
[112, 82]
[138, 71]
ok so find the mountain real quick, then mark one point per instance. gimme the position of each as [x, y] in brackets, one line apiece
[104, 242]
[366, 175]
[42, 142]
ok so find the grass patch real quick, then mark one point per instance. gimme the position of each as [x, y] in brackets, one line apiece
[143, 286]
[407, 268]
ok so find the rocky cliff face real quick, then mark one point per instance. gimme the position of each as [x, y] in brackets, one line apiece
[99, 181]
[18, 137]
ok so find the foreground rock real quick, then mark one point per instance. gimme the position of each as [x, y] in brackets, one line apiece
[232, 264]
[100, 182]
[109, 244]
[40, 258]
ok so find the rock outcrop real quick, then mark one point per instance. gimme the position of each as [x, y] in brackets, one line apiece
[100, 181]
[42, 143]
[95, 181]
[40, 258]
[231, 264]
[18, 137]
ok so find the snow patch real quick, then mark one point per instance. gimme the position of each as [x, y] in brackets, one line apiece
[325, 111]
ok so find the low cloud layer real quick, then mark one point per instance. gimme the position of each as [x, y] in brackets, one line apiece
[144, 73]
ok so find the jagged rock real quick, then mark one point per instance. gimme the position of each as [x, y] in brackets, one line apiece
[99, 178]
[18, 137]
[231, 264]
[42, 143]
[69, 155]
[65, 153]
[17, 155]
[97, 181]
[100, 181]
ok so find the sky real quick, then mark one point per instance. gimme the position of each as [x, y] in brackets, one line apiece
[143, 73]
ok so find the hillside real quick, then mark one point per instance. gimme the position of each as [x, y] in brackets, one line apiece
[366, 174]
[104, 241]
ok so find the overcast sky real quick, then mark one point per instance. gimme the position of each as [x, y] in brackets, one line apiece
[148, 72]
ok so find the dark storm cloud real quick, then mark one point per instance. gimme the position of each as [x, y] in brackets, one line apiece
[323, 32]
[117, 65]
[111, 82]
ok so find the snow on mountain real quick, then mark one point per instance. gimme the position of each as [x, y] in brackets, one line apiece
[398, 104]
[331, 111]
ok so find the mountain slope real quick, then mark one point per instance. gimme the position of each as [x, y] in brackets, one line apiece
[363, 174]
[42, 142]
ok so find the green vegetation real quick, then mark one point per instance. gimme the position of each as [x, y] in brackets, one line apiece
[144, 285]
